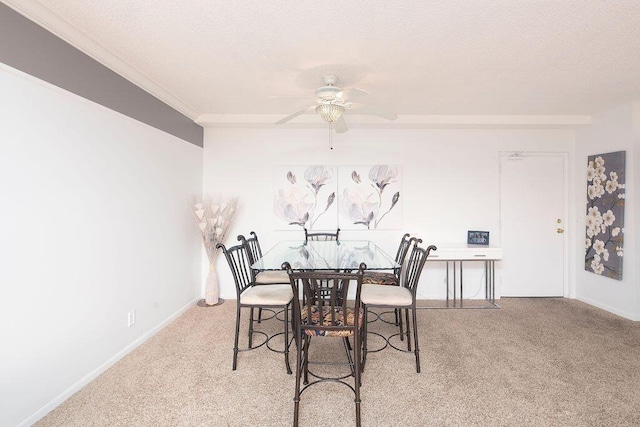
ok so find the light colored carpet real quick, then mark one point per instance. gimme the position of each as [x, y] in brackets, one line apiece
[534, 362]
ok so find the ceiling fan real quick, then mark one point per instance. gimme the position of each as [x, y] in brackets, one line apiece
[331, 102]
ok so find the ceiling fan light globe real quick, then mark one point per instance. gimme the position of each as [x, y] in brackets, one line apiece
[330, 112]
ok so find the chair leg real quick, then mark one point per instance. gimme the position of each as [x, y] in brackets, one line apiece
[415, 339]
[398, 313]
[348, 344]
[364, 337]
[360, 355]
[299, 368]
[347, 349]
[400, 324]
[235, 342]
[408, 330]
[286, 339]
[357, 379]
[307, 340]
[251, 328]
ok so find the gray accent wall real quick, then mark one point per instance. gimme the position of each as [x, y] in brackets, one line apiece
[32, 49]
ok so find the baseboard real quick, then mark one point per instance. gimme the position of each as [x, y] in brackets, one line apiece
[42, 412]
[614, 310]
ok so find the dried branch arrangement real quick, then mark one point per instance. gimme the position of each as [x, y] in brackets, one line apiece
[214, 216]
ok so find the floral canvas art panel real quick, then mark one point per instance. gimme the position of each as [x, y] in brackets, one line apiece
[305, 197]
[369, 197]
[604, 240]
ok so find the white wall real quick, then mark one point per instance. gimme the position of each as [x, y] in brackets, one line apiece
[450, 180]
[94, 221]
[613, 130]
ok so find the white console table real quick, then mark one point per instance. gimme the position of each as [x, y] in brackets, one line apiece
[455, 256]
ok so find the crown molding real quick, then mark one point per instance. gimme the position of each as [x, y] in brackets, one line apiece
[50, 21]
[402, 122]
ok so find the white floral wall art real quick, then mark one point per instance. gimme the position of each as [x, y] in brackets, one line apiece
[369, 197]
[305, 197]
[604, 241]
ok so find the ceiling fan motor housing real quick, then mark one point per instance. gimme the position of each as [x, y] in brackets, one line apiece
[328, 92]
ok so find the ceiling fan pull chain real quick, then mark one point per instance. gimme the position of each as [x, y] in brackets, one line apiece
[331, 136]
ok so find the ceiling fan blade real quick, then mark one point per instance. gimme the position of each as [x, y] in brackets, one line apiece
[353, 93]
[368, 109]
[340, 125]
[288, 97]
[294, 115]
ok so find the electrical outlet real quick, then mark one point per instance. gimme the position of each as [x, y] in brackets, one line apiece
[131, 318]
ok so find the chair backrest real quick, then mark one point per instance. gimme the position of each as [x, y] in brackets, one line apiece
[403, 249]
[324, 292]
[321, 236]
[252, 246]
[240, 266]
[414, 265]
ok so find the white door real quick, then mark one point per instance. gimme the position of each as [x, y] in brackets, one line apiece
[532, 216]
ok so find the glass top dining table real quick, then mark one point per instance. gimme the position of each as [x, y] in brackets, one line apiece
[329, 255]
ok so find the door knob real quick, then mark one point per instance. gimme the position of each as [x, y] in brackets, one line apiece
[560, 230]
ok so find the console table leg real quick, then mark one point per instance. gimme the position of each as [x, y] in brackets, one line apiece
[461, 294]
[455, 284]
[447, 278]
[486, 281]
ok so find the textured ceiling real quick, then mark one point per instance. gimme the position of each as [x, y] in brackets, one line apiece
[415, 57]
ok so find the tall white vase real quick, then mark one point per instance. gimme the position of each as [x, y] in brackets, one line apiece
[212, 287]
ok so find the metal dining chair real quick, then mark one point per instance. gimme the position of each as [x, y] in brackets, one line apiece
[392, 277]
[249, 295]
[261, 277]
[324, 311]
[402, 298]
[321, 236]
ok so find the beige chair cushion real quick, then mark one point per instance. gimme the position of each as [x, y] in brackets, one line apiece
[386, 295]
[267, 295]
[275, 276]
